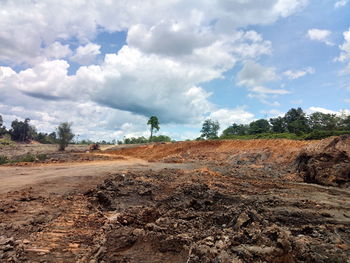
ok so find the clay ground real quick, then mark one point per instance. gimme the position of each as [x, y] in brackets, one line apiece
[220, 201]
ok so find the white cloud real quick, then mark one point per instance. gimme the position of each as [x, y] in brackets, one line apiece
[320, 35]
[295, 74]
[255, 77]
[52, 21]
[57, 50]
[86, 55]
[327, 111]
[227, 117]
[173, 47]
[340, 3]
[345, 52]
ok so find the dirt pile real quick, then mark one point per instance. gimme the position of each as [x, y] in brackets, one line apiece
[219, 152]
[326, 162]
[205, 216]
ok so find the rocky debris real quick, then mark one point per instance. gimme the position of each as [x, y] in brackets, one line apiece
[193, 221]
[10, 250]
[327, 162]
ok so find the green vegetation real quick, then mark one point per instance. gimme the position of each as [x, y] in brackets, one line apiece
[28, 158]
[140, 140]
[210, 129]
[6, 140]
[65, 135]
[3, 159]
[154, 123]
[295, 124]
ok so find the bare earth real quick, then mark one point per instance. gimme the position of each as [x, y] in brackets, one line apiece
[233, 201]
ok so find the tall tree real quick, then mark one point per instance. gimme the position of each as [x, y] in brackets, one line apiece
[259, 126]
[154, 125]
[22, 131]
[2, 128]
[65, 135]
[210, 129]
[278, 125]
[296, 121]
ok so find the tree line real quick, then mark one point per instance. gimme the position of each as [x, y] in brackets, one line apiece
[23, 131]
[294, 124]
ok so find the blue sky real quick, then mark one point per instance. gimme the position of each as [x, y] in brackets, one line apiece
[107, 66]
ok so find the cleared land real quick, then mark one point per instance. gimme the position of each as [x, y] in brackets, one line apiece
[211, 201]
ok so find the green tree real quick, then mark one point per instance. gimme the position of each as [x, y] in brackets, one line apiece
[154, 125]
[65, 135]
[259, 126]
[324, 121]
[278, 125]
[345, 123]
[296, 121]
[3, 130]
[210, 129]
[236, 129]
[22, 131]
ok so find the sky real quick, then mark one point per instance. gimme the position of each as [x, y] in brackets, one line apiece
[107, 66]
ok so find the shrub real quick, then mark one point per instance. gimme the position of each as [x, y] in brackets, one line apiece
[319, 135]
[6, 140]
[3, 159]
[27, 158]
[41, 157]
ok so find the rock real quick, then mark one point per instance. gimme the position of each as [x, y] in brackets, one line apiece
[241, 220]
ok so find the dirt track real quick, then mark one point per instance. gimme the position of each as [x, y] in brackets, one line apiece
[204, 202]
[62, 178]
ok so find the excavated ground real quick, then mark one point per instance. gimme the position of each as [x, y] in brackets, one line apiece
[244, 203]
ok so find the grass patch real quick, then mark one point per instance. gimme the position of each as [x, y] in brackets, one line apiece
[290, 136]
[3, 159]
[6, 141]
[27, 158]
[41, 156]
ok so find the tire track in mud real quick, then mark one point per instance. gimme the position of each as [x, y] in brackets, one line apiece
[68, 237]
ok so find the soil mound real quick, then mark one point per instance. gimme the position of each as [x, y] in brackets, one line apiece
[218, 151]
[327, 162]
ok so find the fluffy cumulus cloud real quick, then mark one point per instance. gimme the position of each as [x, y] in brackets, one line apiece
[86, 55]
[321, 35]
[49, 21]
[295, 74]
[171, 49]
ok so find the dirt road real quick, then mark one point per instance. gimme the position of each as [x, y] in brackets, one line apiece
[62, 178]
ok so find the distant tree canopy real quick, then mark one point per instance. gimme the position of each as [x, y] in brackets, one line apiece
[210, 129]
[259, 126]
[139, 140]
[22, 131]
[295, 121]
[154, 125]
[236, 129]
[3, 130]
[65, 135]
